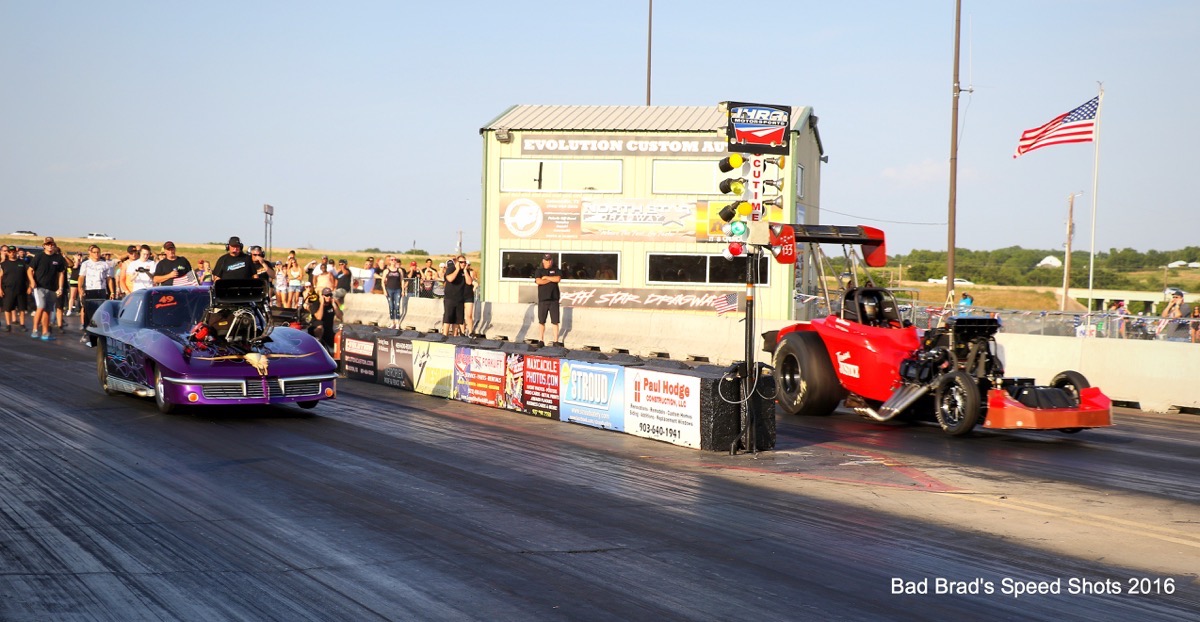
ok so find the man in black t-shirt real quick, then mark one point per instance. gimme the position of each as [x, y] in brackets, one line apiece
[173, 267]
[235, 264]
[547, 277]
[14, 276]
[453, 311]
[47, 280]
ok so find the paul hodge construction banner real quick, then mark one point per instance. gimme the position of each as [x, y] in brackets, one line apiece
[664, 407]
[615, 219]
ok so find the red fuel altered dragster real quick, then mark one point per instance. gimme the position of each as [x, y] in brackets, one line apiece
[865, 353]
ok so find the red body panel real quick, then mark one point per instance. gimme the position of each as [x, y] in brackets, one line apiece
[865, 358]
[1005, 413]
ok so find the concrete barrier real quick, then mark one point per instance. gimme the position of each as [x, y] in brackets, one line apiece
[1155, 375]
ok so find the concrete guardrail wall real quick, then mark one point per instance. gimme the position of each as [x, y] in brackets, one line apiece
[1155, 375]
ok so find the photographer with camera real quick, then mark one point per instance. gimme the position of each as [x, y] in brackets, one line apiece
[141, 269]
[454, 300]
[262, 268]
[1175, 327]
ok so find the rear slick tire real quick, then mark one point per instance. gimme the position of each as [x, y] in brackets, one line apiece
[805, 382]
[956, 403]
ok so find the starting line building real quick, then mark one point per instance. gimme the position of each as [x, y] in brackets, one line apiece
[626, 199]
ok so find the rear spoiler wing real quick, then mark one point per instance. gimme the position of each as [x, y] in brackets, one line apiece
[874, 247]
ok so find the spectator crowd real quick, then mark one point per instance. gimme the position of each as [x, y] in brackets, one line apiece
[42, 290]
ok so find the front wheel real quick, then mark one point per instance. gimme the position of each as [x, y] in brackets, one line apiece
[956, 403]
[805, 382]
[160, 398]
[1072, 382]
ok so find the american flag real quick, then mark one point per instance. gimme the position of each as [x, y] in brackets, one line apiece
[1076, 126]
[187, 279]
[725, 304]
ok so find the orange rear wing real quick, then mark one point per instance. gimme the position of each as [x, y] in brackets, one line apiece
[874, 247]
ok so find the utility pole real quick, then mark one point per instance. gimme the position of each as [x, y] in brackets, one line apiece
[649, 46]
[951, 217]
[1067, 259]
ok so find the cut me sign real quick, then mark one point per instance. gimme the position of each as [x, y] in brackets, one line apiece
[684, 146]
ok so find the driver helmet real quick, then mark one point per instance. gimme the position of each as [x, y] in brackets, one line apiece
[870, 310]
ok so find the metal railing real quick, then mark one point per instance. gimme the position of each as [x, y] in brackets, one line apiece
[1101, 325]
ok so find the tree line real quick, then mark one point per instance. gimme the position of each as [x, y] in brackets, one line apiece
[1017, 266]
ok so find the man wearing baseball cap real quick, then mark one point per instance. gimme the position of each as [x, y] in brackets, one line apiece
[326, 312]
[173, 267]
[234, 264]
[47, 280]
[547, 277]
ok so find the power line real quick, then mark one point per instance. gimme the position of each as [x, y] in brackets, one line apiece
[894, 222]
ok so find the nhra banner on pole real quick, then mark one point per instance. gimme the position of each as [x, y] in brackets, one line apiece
[758, 128]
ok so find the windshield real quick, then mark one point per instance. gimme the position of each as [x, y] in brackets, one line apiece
[176, 308]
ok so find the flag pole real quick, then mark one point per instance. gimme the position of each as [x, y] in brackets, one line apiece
[1095, 182]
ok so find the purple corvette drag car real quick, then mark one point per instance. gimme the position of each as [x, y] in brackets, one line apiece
[207, 346]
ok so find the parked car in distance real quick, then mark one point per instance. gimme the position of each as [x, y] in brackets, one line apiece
[100, 236]
[24, 234]
[956, 281]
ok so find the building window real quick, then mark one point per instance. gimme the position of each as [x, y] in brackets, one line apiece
[799, 181]
[685, 177]
[526, 175]
[575, 266]
[667, 268]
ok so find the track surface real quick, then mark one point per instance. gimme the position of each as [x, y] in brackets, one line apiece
[398, 506]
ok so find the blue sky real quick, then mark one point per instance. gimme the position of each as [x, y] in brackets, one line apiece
[359, 121]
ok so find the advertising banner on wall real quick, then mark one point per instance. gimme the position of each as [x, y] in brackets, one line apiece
[393, 363]
[613, 219]
[433, 367]
[630, 298]
[514, 382]
[540, 386]
[358, 358]
[663, 406]
[479, 376]
[592, 394]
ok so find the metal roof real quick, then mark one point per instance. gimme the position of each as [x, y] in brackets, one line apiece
[617, 118]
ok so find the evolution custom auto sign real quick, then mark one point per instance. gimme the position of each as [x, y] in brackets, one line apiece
[607, 144]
